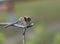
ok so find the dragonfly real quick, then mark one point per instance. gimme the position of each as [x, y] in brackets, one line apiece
[22, 22]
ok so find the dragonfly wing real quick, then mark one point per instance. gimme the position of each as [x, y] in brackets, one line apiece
[20, 26]
[3, 24]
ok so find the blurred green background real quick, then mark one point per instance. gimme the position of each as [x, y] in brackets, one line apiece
[46, 17]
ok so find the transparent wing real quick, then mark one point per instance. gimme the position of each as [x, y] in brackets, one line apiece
[20, 26]
[16, 25]
[26, 26]
[3, 24]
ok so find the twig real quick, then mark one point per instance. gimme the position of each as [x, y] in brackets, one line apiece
[24, 31]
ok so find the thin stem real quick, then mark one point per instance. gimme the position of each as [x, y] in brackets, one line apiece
[24, 30]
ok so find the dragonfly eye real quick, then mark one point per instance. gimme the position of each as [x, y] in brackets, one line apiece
[27, 19]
